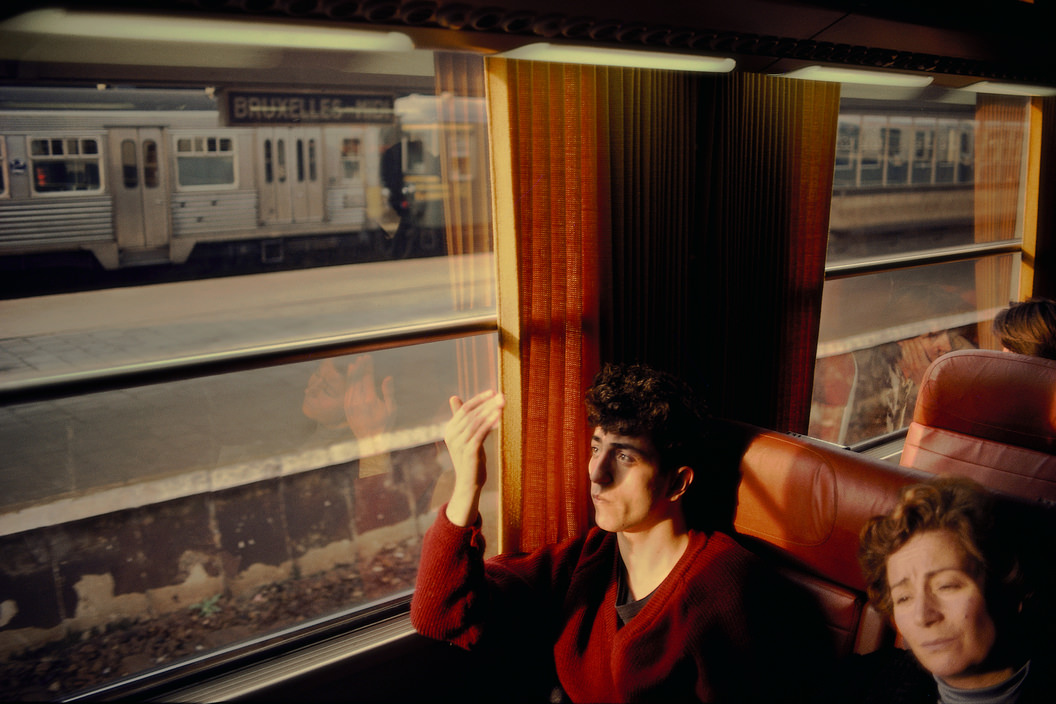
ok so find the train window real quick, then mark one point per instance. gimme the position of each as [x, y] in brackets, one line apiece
[923, 152]
[129, 165]
[269, 162]
[847, 153]
[3, 168]
[205, 161]
[150, 163]
[242, 437]
[65, 164]
[906, 235]
[300, 161]
[350, 159]
[280, 160]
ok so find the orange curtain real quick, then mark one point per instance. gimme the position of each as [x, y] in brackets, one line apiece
[651, 126]
[767, 158]
[462, 126]
[1043, 258]
[1000, 130]
[556, 212]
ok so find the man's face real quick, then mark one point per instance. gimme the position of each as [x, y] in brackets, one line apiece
[628, 491]
[939, 607]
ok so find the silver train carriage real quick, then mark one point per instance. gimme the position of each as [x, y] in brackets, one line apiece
[142, 176]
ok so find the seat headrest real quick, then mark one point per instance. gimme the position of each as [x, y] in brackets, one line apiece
[998, 396]
[810, 499]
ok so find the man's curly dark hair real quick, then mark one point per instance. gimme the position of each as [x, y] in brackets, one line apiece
[635, 399]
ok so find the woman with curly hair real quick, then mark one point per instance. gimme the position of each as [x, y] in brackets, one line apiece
[943, 570]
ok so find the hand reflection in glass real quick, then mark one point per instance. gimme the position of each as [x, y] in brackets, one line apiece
[342, 393]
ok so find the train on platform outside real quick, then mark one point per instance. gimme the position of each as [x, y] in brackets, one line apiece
[142, 176]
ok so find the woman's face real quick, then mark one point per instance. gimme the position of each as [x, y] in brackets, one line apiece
[940, 611]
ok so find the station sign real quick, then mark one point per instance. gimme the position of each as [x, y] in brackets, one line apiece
[245, 107]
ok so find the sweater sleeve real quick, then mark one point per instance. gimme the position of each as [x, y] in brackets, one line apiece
[459, 597]
[450, 587]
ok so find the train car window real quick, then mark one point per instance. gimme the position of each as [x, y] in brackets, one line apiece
[150, 164]
[907, 236]
[3, 168]
[203, 161]
[350, 159]
[269, 162]
[129, 165]
[63, 165]
[226, 425]
[300, 161]
[280, 160]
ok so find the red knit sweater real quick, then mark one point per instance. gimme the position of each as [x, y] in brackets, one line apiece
[691, 641]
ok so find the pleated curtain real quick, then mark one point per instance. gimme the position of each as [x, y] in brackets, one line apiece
[632, 209]
[1000, 139]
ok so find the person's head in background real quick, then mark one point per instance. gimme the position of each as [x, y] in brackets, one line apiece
[1028, 328]
[939, 568]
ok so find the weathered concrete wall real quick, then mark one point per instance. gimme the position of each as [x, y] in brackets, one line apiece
[64, 579]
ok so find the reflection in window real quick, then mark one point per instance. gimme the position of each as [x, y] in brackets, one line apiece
[164, 521]
[915, 191]
[230, 549]
[871, 358]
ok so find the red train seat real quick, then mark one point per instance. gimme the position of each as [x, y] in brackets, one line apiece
[990, 416]
[803, 503]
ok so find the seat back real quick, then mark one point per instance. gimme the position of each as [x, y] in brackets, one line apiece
[803, 503]
[990, 416]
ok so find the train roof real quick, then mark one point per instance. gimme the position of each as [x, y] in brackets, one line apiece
[106, 99]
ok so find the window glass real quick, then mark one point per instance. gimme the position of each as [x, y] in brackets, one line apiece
[158, 522]
[129, 165]
[919, 173]
[150, 163]
[65, 164]
[205, 161]
[872, 358]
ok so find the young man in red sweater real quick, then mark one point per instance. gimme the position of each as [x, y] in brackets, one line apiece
[642, 607]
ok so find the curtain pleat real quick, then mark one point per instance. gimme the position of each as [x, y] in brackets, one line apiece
[766, 182]
[999, 152]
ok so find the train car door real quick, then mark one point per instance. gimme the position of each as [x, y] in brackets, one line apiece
[139, 180]
[289, 171]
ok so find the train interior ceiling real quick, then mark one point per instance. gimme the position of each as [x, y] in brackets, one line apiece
[295, 560]
[1003, 40]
